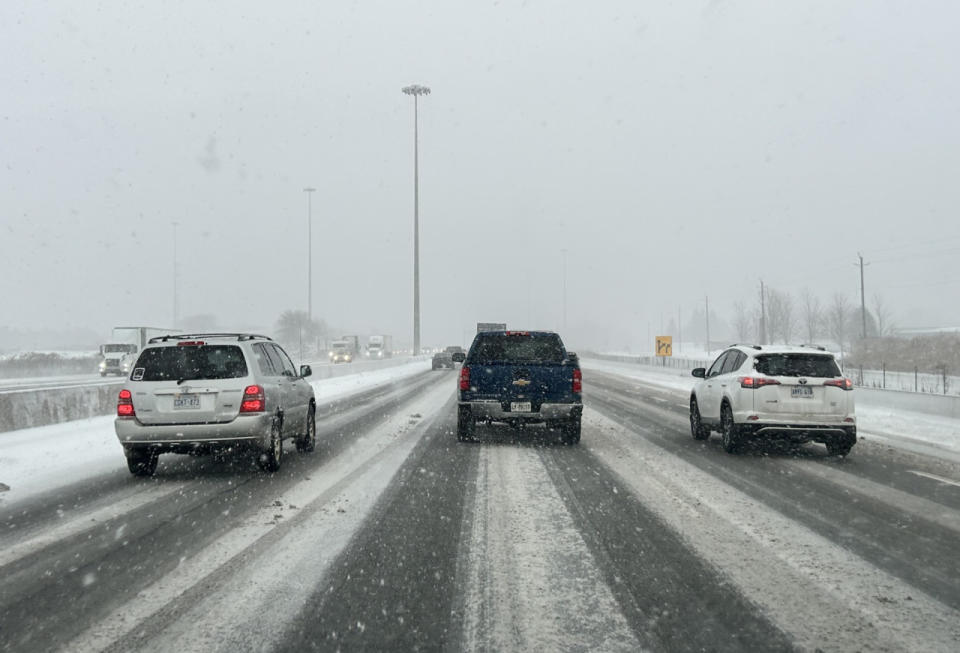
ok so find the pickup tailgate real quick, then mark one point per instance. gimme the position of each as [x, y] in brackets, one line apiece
[519, 383]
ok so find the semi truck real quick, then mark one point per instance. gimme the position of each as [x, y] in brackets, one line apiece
[345, 349]
[125, 344]
[380, 346]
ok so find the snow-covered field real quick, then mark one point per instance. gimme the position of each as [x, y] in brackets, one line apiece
[911, 430]
[39, 459]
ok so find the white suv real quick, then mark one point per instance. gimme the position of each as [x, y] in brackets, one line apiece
[207, 392]
[794, 393]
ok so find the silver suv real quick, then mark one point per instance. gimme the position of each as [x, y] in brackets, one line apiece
[198, 393]
[794, 393]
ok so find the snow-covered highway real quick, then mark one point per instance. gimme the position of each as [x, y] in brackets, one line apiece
[394, 536]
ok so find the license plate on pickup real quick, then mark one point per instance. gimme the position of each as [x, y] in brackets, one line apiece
[801, 391]
[186, 402]
[521, 407]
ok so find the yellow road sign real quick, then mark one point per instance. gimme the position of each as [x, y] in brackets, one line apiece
[664, 345]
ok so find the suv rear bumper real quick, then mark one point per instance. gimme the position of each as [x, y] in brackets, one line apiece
[803, 432]
[250, 430]
[493, 410]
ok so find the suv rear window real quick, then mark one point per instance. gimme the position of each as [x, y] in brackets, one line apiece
[502, 348]
[797, 365]
[192, 362]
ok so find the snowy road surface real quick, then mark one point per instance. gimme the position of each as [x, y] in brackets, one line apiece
[394, 536]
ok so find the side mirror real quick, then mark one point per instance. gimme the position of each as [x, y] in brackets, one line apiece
[458, 357]
[305, 370]
[699, 372]
[572, 357]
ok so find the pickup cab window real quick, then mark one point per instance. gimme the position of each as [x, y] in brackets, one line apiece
[511, 348]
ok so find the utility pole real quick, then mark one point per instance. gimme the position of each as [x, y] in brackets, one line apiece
[309, 192]
[175, 306]
[564, 252]
[707, 302]
[680, 328]
[863, 301]
[763, 315]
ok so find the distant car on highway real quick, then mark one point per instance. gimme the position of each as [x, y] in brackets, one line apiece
[441, 360]
[198, 393]
[769, 392]
[519, 377]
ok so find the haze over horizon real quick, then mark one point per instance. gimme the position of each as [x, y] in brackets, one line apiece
[675, 151]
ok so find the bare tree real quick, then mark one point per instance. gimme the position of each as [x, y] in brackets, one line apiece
[882, 315]
[781, 319]
[294, 328]
[742, 321]
[811, 315]
[838, 320]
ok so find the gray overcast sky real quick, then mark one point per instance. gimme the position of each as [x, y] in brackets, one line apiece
[676, 150]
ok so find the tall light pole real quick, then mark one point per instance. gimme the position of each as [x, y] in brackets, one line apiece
[416, 91]
[175, 311]
[564, 252]
[309, 191]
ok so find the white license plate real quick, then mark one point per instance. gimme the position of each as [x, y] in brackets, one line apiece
[521, 407]
[186, 402]
[801, 391]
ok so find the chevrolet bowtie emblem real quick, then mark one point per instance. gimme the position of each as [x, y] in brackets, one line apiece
[522, 382]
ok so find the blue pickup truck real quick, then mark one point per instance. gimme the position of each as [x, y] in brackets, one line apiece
[520, 377]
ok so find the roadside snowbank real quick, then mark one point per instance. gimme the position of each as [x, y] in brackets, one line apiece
[35, 460]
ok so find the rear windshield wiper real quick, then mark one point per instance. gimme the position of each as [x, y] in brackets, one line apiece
[188, 378]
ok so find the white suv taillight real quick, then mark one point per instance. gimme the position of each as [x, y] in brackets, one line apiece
[253, 400]
[843, 384]
[125, 404]
[754, 382]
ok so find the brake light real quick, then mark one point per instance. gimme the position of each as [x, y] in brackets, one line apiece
[253, 400]
[464, 378]
[577, 382]
[191, 343]
[754, 382]
[518, 333]
[125, 404]
[843, 384]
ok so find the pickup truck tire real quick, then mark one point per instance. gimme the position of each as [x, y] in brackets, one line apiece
[141, 461]
[466, 424]
[571, 431]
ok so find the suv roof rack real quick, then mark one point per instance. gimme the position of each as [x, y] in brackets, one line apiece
[746, 344]
[181, 336]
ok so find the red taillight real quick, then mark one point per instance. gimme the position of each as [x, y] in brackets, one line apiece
[464, 378]
[125, 404]
[843, 384]
[577, 382]
[754, 382]
[253, 400]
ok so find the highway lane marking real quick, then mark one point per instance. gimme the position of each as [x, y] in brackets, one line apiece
[84, 521]
[522, 541]
[227, 615]
[934, 477]
[812, 588]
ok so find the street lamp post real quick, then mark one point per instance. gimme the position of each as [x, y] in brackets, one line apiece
[175, 307]
[564, 252]
[416, 91]
[309, 191]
